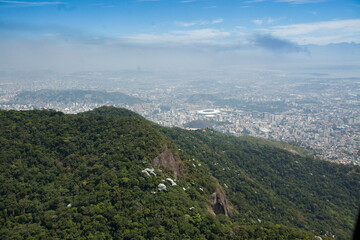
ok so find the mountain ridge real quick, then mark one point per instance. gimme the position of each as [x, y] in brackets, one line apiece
[98, 160]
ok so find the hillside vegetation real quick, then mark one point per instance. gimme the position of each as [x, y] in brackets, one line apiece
[47, 96]
[269, 182]
[103, 174]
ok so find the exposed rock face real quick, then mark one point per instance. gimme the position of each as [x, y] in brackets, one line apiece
[162, 187]
[149, 171]
[171, 181]
[168, 160]
[219, 202]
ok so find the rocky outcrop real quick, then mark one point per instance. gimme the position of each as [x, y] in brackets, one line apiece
[168, 160]
[219, 203]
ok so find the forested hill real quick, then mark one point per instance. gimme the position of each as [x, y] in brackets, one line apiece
[47, 96]
[269, 182]
[111, 174]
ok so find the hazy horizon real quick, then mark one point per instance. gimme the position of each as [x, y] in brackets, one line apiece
[206, 35]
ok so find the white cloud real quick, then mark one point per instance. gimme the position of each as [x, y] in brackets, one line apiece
[264, 21]
[219, 20]
[257, 21]
[206, 35]
[254, 1]
[198, 22]
[270, 20]
[287, 1]
[186, 24]
[30, 4]
[301, 1]
[319, 33]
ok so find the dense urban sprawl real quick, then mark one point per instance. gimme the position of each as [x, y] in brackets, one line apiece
[321, 114]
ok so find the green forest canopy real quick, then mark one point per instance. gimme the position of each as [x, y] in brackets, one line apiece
[82, 176]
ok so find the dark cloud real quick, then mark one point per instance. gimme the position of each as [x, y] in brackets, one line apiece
[276, 44]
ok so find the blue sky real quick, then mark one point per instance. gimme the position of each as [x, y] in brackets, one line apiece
[146, 31]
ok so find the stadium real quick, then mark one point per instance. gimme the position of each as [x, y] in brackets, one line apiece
[208, 112]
